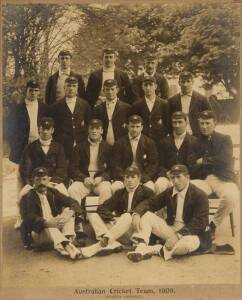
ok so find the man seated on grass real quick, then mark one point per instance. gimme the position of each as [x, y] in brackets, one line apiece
[119, 213]
[48, 216]
[186, 228]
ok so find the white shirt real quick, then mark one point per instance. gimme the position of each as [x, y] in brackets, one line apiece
[60, 91]
[46, 210]
[32, 108]
[108, 73]
[180, 202]
[71, 102]
[45, 145]
[150, 103]
[130, 198]
[185, 103]
[178, 139]
[93, 167]
[134, 144]
[110, 106]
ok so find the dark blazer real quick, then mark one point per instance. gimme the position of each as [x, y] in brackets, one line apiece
[94, 86]
[156, 122]
[18, 129]
[54, 161]
[118, 203]
[119, 119]
[195, 211]
[146, 156]
[217, 155]
[50, 92]
[198, 104]
[70, 127]
[31, 211]
[78, 167]
[169, 155]
[162, 90]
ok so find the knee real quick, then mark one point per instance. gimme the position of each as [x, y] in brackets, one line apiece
[105, 187]
[117, 185]
[126, 217]
[161, 184]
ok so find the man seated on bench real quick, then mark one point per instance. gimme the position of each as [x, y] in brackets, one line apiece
[213, 172]
[89, 166]
[186, 228]
[116, 218]
[48, 215]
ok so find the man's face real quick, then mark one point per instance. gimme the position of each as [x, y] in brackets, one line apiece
[150, 66]
[149, 88]
[41, 183]
[135, 129]
[110, 92]
[207, 127]
[131, 182]
[179, 126]
[109, 60]
[71, 89]
[64, 61]
[32, 94]
[46, 133]
[186, 85]
[95, 133]
[179, 181]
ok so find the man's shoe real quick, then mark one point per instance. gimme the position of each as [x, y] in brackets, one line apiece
[61, 250]
[144, 252]
[212, 230]
[73, 252]
[18, 223]
[114, 247]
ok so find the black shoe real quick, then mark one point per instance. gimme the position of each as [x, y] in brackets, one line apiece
[212, 230]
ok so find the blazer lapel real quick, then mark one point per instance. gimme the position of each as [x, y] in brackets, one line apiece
[116, 109]
[129, 150]
[178, 103]
[192, 103]
[186, 202]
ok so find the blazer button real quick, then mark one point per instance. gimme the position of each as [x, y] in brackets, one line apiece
[150, 125]
[74, 126]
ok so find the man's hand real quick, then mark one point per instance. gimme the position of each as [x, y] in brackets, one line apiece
[171, 241]
[88, 182]
[200, 161]
[97, 180]
[136, 222]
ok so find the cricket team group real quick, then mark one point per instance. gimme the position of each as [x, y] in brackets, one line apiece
[150, 160]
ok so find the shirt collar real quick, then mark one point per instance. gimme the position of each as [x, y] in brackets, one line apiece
[71, 100]
[134, 139]
[108, 69]
[94, 144]
[65, 72]
[150, 100]
[113, 102]
[180, 137]
[189, 94]
[182, 193]
[45, 143]
[28, 102]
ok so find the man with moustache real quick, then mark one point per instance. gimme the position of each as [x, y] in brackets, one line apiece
[48, 216]
[55, 88]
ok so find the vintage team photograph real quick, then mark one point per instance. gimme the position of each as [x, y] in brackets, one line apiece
[120, 144]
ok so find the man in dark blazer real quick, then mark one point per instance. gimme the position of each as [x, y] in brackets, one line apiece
[162, 88]
[55, 85]
[89, 165]
[153, 110]
[177, 148]
[189, 102]
[71, 115]
[94, 92]
[45, 152]
[134, 149]
[113, 113]
[115, 218]
[48, 215]
[22, 127]
[186, 228]
[213, 171]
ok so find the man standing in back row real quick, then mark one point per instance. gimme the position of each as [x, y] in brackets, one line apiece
[55, 88]
[94, 91]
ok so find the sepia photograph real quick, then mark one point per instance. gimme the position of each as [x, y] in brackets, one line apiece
[120, 149]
